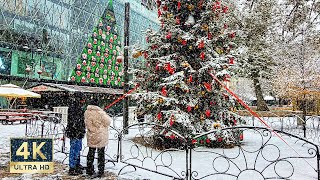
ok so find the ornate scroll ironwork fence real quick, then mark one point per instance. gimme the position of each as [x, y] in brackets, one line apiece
[293, 124]
[261, 154]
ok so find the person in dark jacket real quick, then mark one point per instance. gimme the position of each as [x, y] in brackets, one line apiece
[75, 131]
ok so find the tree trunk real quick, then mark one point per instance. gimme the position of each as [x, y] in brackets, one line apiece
[261, 103]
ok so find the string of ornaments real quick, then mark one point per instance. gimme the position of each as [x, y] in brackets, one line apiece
[194, 39]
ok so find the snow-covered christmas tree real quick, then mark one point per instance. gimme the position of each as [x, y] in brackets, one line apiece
[175, 86]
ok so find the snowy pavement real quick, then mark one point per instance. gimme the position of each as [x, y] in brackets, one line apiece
[250, 160]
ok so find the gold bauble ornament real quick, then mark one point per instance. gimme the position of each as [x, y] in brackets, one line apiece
[216, 125]
[219, 51]
[205, 27]
[160, 100]
[185, 64]
[190, 7]
[136, 54]
[202, 117]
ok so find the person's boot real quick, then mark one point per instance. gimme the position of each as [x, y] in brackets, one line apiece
[100, 174]
[74, 172]
[90, 171]
[80, 167]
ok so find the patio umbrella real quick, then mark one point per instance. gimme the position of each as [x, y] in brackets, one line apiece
[13, 91]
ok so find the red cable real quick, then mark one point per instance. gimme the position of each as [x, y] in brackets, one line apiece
[122, 97]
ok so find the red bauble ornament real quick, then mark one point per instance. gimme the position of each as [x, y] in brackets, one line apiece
[159, 116]
[172, 136]
[225, 9]
[172, 70]
[168, 66]
[159, 13]
[209, 36]
[231, 60]
[201, 141]
[184, 42]
[220, 139]
[214, 7]
[177, 20]
[171, 120]
[207, 86]
[164, 91]
[190, 78]
[168, 36]
[165, 8]
[179, 5]
[202, 55]
[189, 108]
[194, 141]
[145, 54]
[201, 45]
[157, 67]
[232, 35]
[241, 137]
[208, 112]
[83, 79]
[153, 47]
[208, 141]
[200, 4]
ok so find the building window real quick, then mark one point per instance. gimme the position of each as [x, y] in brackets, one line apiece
[5, 62]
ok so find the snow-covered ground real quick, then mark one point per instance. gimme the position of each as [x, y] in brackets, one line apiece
[252, 159]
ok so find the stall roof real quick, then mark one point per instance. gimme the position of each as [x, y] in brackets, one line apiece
[51, 87]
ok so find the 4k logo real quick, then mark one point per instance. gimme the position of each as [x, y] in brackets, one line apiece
[23, 150]
[31, 155]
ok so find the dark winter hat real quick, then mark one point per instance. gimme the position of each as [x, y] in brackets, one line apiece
[94, 101]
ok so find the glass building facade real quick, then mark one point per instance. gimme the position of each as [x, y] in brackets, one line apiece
[45, 38]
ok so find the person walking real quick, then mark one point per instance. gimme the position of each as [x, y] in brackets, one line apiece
[97, 123]
[75, 131]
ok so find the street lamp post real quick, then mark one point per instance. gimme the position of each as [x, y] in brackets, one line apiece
[125, 66]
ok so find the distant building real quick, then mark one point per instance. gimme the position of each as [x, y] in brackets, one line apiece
[44, 38]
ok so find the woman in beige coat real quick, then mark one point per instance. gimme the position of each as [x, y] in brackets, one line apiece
[97, 123]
